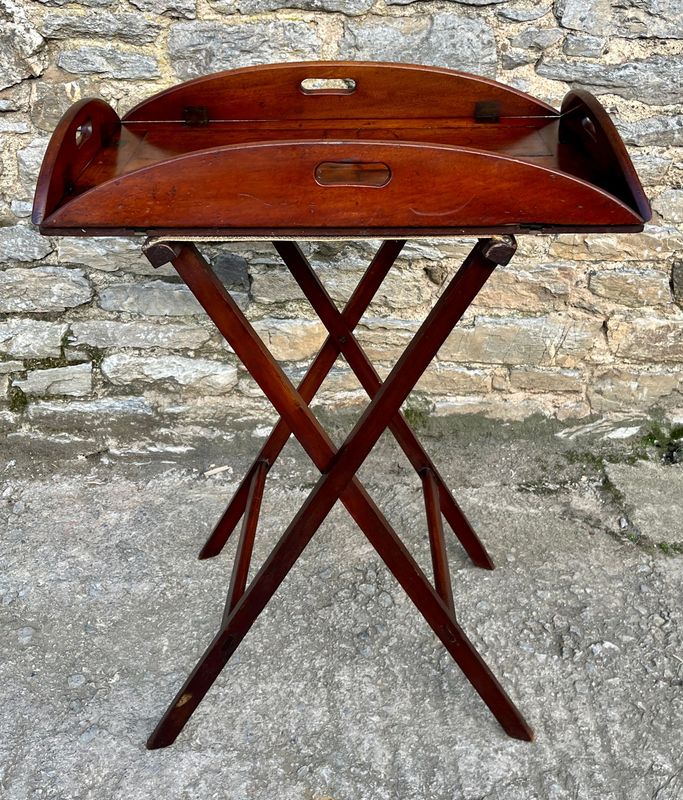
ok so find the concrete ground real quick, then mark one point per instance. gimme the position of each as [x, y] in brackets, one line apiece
[341, 691]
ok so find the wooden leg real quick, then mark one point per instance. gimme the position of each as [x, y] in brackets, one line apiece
[322, 364]
[347, 343]
[442, 577]
[240, 572]
[338, 482]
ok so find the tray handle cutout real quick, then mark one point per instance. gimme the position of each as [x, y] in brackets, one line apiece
[349, 173]
[320, 86]
[83, 132]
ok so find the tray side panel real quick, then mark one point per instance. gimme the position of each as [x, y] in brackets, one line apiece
[585, 125]
[86, 128]
[274, 185]
[382, 90]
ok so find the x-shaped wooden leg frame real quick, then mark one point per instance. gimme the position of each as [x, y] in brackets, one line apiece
[339, 466]
[319, 369]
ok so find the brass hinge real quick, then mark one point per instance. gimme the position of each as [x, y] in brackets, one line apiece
[487, 111]
[196, 115]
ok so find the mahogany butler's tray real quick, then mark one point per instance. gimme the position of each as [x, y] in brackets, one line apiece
[387, 151]
[397, 150]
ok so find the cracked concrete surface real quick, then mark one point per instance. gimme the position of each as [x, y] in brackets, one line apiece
[341, 690]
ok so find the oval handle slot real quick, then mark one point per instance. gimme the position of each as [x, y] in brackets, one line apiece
[348, 173]
[83, 132]
[328, 86]
[589, 126]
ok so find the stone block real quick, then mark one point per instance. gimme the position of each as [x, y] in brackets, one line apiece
[291, 339]
[22, 48]
[652, 245]
[21, 243]
[349, 7]
[546, 380]
[583, 45]
[515, 57]
[105, 333]
[199, 48]
[109, 62]
[21, 208]
[544, 340]
[648, 19]
[75, 381]
[42, 289]
[197, 374]
[49, 101]
[157, 298]
[90, 3]
[677, 282]
[522, 13]
[631, 287]
[422, 39]
[669, 206]
[662, 131]
[186, 9]
[536, 39]
[515, 406]
[8, 125]
[29, 338]
[589, 16]
[385, 338]
[652, 170]
[624, 389]
[443, 378]
[11, 366]
[654, 340]
[535, 289]
[654, 80]
[29, 159]
[104, 253]
[132, 28]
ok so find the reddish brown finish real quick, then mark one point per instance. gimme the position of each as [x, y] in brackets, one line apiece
[68, 153]
[252, 133]
[585, 125]
[389, 150]
[273, 92]
[240, 571]
[338, 482]
[242, 185]
[347, 344]
[320, 367]
[437, 543]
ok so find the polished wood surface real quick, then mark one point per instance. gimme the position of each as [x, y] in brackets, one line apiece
[410, 146]
[338, 479]
[382, 90]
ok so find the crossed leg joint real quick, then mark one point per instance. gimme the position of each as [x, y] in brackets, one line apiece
[338, 467]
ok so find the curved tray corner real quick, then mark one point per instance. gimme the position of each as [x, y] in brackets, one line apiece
[85, 128]
[585, 124]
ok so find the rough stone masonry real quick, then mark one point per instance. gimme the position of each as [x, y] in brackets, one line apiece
[575, 325]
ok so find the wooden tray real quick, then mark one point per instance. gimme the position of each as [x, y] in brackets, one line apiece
[371, 149]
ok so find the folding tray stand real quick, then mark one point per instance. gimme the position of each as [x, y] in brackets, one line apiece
[327, 150]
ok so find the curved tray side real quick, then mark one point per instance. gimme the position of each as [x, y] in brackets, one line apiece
[382, 91]
[585, 124]
[327, 184]
[81, 133]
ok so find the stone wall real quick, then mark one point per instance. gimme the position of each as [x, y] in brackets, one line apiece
[576, 324]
